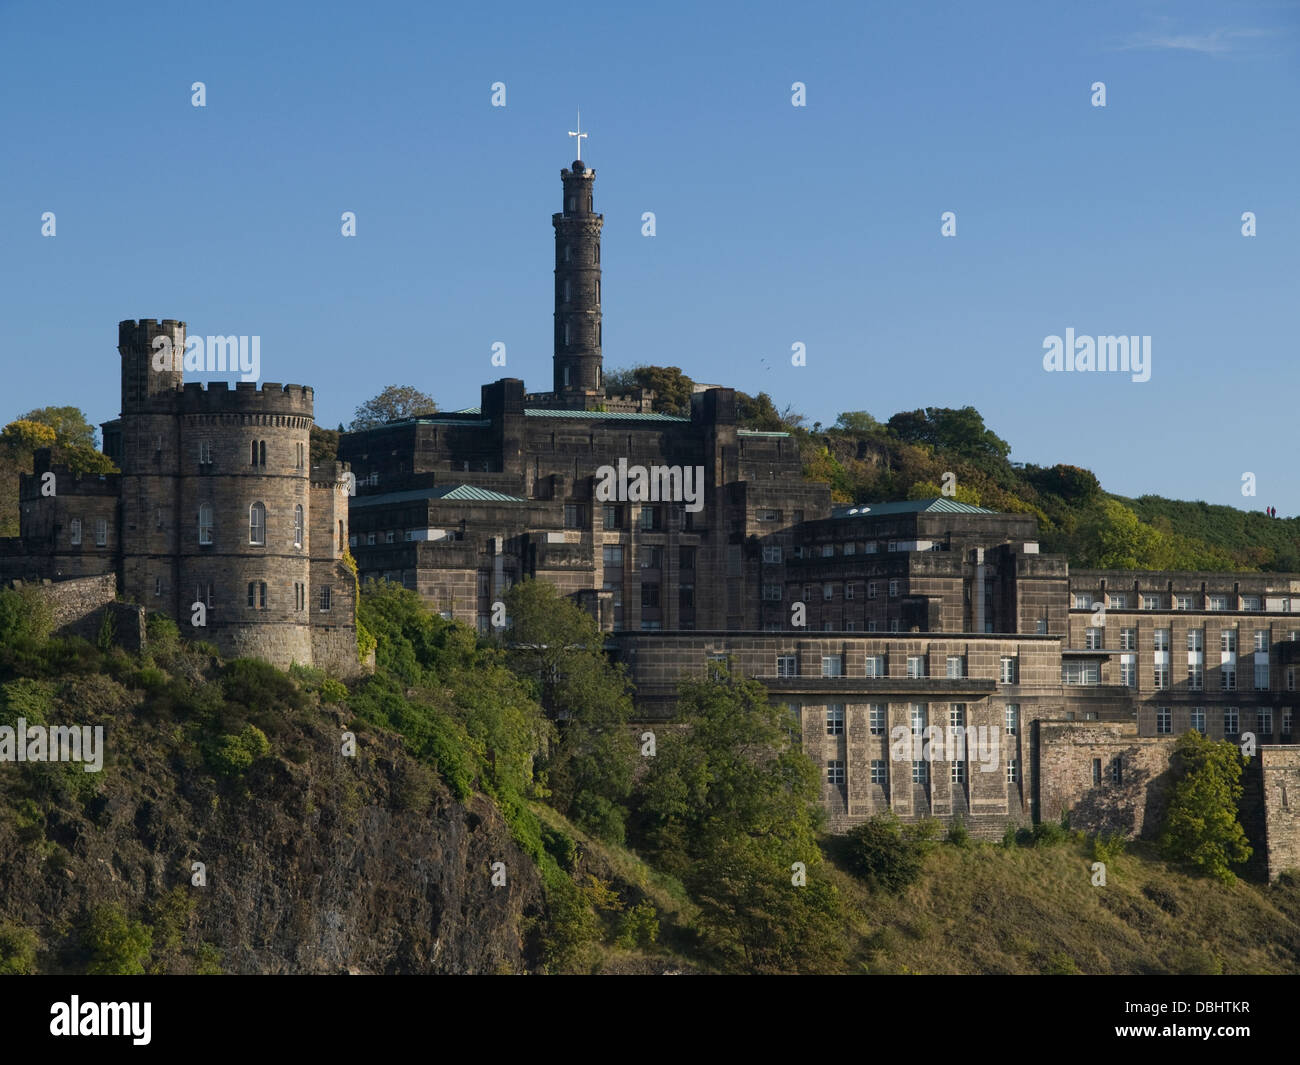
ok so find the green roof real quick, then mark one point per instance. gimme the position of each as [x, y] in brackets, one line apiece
[939, 505]
[757, 432]
[592, 415]
[461, 493]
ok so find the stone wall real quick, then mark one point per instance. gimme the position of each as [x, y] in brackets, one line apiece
[1281, 773]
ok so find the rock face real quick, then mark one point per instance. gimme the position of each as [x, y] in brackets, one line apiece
[314, 863]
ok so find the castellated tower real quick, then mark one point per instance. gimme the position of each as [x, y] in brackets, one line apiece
[217, 509]
[578, 378]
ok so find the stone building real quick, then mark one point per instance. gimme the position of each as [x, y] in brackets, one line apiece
[217, 519]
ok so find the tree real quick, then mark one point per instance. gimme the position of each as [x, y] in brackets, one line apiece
[672, 388]
[394, 404]
[324, 445]
[883, 855]
[961, 432]
[558, 648]
[71, 429]
[730, 806]
[1201, 823]
[857, 421]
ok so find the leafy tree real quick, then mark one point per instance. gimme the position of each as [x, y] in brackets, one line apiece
[394, 404]
[883, 855]
[729, 806]
[1114, 538]
[672, 388]
[559, 649]
[324, 445]
[27, 435]
[857, 421]
[961, 432]
[71, 429]
[1201, 823]
[1072, 483]
[118, 945]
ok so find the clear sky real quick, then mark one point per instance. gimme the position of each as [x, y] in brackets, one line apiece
[775, 224]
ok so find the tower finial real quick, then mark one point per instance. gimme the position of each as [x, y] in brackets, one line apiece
[579, 134]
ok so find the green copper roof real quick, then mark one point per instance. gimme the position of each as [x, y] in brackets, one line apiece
[461, 493]
[592, 415]
[939, 505]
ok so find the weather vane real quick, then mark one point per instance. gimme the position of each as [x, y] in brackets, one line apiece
[579, 134]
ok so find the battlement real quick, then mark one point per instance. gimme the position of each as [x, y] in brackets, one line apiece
[197, 397]
[329, 474]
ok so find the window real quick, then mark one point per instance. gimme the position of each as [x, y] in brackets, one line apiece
[257, 595]
[1195, 676]
[1164, 721]
[1261, 639]
[1228, 677]
[958, 772]
[1082, 601]
[101, 532]
[1286, 722]
[769, 515]
[568, 291]
[850, 548]
[1231, 721]
[572, 516]
[650, 518]
[205, 452]
[1128, 671]
[870, 547]
[919, 713]
[828, 591]
[297, 527]
[686, 557]
[326, 598]
[871, 625]
[1161, 639]
[832, 665]
[1160, 675]
[787, 665]
[828, 550]
[299, 595]
[772, 592]
[1290, 678]
[848, 590]
[75, 531]
[957, 715]
[1128, 639]
[1218, 602]
[1198, 719]
[157, 586]
[1008, 669]
[205, 523]
[878, 771]
[612, 555]
[1261, 676]
[876, 719]
[614, 517]
[1151, 602]
[649, 595]
[1118, 602]
[1250, 602]
[875, 665]
[1013, 718]
[1196, 639]
[1080, 673]
[807, 592]
[915, 666]
[772, 553]
[835, 719]
[1013, 771]
[652, 557]
[300, 461]
[871, 589]
[716, 667]
[1183, 602]
[1040, 627]
[257, 524]
[893, 589]
[1228, 640]
[956, 667]
[892, 545]
[919, 775]
[893, 624]
[1264, 715]
[686, 599]
[1092, 639]
[835, 772]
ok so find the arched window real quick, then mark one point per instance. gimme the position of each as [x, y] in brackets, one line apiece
[568, 292]
[566, 334]
[297, 526]
[205, 523]
[257, 524]
[566, 377]
[76, 530]
[252, 461]
[340, 534]
[262, 456]
[597, 291]
[567, 252]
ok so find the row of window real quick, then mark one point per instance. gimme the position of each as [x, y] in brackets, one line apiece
[256, 524]
[1120, 601]
[877, 716]
[917, 667]
[1094, 639]
[256, 454]
[101, 532]
[257, 596]
[652, 517]
[867, 547]
[1231, 721]
[835, 772]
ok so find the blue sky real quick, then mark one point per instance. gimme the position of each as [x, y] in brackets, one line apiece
[775, 224]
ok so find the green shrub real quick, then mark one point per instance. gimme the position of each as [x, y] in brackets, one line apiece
[1050, 834]
[26, 698]
[561, 846]
[107, 630]
[18, 946]
[959, 835]
[25, 616]
[332, 691]
[883, 856]
[1010, 836]
[118, 946]
[260, 686]
[233, 755]
[639, 926]
[1106, 847]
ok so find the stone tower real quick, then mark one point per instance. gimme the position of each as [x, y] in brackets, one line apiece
[578, 377]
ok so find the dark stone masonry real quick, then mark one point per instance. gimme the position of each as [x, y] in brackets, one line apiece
[881, 626]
